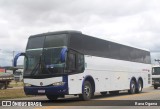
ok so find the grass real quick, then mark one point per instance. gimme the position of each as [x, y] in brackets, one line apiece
[12, 93]
[16, 84]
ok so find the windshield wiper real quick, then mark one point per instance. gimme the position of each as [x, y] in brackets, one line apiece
[37, 67]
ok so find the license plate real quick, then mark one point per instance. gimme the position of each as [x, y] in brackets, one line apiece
[41, 91]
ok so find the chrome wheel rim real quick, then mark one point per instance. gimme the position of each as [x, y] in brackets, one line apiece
[140, 87]
[87, 91]
[133, 87]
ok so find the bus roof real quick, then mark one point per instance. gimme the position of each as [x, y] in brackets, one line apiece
[74, 31]
[56, 32]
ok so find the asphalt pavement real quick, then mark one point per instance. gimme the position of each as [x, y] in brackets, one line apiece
[121, 101]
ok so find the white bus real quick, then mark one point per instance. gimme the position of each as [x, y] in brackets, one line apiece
[72, 63]
[156, 76]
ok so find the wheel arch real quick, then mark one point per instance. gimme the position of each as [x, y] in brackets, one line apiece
[91, 80]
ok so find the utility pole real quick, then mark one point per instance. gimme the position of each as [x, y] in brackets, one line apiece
[157, 60]
[0, 60]
[13, 52]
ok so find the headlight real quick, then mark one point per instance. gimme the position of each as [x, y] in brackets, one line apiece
[58, 83]
[26, 84]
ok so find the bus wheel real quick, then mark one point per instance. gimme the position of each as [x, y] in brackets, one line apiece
[103, 93]
[87, 91]
[132, 87]
[52, 97]
[155, 87]
[139, 88]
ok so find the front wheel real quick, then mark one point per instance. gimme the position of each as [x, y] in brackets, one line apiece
[87, 91]
[52, 97]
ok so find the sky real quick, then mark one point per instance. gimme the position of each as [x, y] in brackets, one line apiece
[131, 22]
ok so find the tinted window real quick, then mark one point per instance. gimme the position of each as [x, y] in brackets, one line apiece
[72, 61]
[80, 63]
[33, 60]
[35, 42]
[97, 47]
[156, 71]
[52, 56]
[56, 40]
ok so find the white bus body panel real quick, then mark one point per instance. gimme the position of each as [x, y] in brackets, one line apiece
[110, 74]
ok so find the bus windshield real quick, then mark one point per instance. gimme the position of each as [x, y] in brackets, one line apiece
[44, 58]
[156, 71]
[33, 59]
[52, 56]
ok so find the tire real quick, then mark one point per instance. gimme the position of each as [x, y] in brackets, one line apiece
[103, 93]
[2, 86]
[132, 87]
[139, 88]
[87, 91]
[52, 97]
[114, 92]
[155, 87]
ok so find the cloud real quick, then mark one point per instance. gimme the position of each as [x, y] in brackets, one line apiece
[131, 22]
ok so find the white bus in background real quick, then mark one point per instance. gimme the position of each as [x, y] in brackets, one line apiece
[72, 63]
[18, 75]
[156, 76]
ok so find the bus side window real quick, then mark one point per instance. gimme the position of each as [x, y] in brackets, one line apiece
[80, 63]
[72, 61]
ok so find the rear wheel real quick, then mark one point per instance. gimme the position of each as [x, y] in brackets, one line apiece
[132, 87]
[155, 87]
[139, 88]
[87, 91]
[52, 97]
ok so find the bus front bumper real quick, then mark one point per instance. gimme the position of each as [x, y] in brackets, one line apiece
[46, 90]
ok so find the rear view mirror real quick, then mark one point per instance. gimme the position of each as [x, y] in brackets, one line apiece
[16, 58]
[63, 54]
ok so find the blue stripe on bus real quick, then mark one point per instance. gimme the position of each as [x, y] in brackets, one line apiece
[16, 58]
[49, 90]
